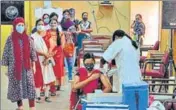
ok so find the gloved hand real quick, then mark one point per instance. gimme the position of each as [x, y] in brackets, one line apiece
[103, 61]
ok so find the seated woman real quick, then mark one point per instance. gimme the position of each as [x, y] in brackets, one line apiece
[87, 80]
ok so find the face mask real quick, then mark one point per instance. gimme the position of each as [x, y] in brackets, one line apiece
[40, 28]
[137, 20]
[73, 14]
[66, 16]
[54, 27]
[89, 67]
[20, 29]
[85, 19]
[46, 20]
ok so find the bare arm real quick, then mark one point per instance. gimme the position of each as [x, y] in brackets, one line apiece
[78, 29]
[78, 85]
[42, 53]
[34, 67]
[87, 30]
[63, 39]
[132, 26]
[106, 83]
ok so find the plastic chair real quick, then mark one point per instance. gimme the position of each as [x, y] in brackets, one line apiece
[162, 72]
[146, 48]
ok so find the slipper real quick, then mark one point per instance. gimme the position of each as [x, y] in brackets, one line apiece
[19, 109]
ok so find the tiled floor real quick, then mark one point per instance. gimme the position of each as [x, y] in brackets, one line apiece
[60, 102]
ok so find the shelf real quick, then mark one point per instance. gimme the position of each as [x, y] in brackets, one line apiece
[105, 4]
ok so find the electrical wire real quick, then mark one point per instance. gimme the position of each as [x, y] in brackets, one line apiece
[126, 18]
[95, 21]
[118, 19]
[92, 5]
[104, 28]
[101, 14]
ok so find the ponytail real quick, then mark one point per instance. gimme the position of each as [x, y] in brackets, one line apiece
[134, 44]
[57, 32]
[132, 41]
[121, 33]
[58, 37]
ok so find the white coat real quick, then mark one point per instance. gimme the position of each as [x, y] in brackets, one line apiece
[127, 60]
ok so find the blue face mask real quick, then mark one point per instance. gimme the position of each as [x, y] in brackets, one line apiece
[66, 16]
[46, 20]
[20, 29]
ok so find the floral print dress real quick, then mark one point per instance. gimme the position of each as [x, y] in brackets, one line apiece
[24, 88]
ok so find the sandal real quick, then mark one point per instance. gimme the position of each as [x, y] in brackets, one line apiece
[58, 88]
[19, 109]
[53, 94]
[47, 99]
[38, 100]
[42, 94]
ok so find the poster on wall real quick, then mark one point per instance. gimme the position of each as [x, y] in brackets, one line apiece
[40, 11]
[10, 10]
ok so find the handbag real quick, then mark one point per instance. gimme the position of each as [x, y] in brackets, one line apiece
[69, 46]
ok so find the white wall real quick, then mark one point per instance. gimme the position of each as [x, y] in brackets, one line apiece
[150, 13]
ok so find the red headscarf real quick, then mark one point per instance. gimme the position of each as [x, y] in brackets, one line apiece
[16, 47]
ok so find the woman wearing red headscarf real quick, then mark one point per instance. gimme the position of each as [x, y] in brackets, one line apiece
[18, 56]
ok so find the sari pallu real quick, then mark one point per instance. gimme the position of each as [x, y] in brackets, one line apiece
[58, 57]
[89, 88]
[38, 77]
[47, 70]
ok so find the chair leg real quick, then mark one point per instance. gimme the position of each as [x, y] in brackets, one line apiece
[174, 92]
[153, 87]
[160, 87]
[140, 64]
[166, 86]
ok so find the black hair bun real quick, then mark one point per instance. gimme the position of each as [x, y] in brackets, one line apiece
[119, 33]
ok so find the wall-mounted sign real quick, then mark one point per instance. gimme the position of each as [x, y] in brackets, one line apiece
[10, 10]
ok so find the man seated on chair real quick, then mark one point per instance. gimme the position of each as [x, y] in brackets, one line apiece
[87, 80]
